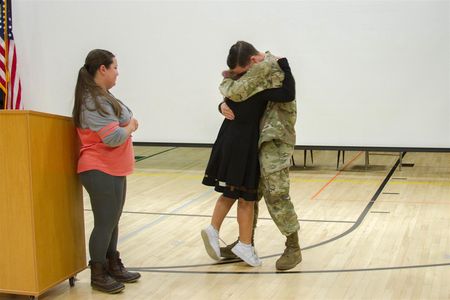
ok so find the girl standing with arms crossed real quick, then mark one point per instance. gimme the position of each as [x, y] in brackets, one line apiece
[104, 125]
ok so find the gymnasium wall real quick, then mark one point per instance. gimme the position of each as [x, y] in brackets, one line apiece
[368, 73]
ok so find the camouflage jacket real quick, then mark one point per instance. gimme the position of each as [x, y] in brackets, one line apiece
[278, 121]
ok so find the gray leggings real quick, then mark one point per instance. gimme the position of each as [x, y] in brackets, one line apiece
[107, 195]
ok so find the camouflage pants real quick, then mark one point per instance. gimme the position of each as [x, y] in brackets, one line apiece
[274, 186]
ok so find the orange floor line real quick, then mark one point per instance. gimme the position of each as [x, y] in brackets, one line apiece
[334, 177]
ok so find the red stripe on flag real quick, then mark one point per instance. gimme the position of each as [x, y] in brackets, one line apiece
[12, 79]
[19, 97]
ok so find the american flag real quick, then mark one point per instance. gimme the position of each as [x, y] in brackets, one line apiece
[10, 86]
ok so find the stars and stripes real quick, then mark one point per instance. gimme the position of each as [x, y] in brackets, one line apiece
[10, 86]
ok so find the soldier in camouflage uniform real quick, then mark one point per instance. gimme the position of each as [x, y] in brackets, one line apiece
[276, 146]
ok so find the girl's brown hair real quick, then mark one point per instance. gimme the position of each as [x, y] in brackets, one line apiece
[86, 85]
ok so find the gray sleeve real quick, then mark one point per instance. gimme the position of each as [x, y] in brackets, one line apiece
[107, 125]
[117, 138]
[125, 115]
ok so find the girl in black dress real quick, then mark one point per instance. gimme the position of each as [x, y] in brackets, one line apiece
[233, 167]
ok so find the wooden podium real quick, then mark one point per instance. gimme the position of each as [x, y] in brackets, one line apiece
[42, 239]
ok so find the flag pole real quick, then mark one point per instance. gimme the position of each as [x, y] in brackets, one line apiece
[5, 18]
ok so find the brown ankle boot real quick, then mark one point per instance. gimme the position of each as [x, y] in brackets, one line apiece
[117, 270]
[225, 252]
[100, 279]
[292, 255]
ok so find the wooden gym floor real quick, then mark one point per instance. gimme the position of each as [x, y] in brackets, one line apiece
[379, 233]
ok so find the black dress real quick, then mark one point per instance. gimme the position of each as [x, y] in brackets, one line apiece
[233, 167]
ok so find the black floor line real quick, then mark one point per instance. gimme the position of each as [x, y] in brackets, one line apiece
[169, 269]
[228, 217]
[145, 157]
[358, 222]
[364, 212]
[150, 270]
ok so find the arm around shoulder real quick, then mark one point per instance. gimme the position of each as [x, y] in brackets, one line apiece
[261, 76]
[287, 91]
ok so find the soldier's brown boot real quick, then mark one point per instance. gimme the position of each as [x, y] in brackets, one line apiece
[100, 279]
[117, 270]
[225, 252]
[292, 255]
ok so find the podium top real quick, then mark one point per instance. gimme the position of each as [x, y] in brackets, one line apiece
[32, 112]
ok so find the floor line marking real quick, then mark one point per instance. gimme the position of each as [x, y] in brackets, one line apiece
[228, 217]
[291, 272]
[163, 217]
[337, 237]
[334, 177]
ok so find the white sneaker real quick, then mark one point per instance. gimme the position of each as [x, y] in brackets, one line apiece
[247, 254]
[210, 238]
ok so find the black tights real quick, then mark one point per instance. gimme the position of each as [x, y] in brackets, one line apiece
[107, 195]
